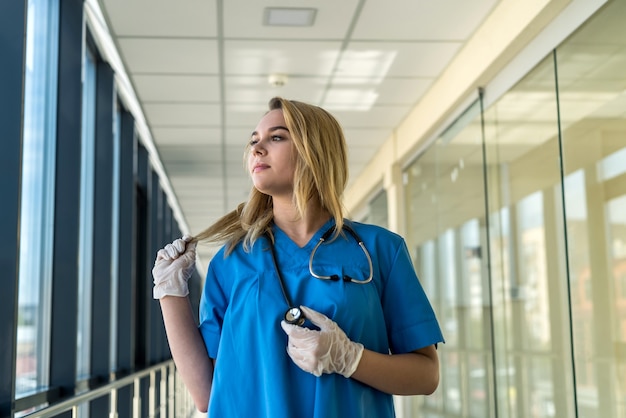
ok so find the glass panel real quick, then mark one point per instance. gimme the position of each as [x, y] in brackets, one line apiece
[377, 212]
[85, 259]
[592, 91]
[115, 232]
[445, 210]
[37, 197]
[533, 366]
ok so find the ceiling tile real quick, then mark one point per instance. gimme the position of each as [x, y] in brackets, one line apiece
[186, 135]
[396, 59]
[188, 18]
[446, 20]
[160, 114]
[244, 19]
[377, 117]
[168, 55]
[283, 57]
[257, 89]
[177, 88]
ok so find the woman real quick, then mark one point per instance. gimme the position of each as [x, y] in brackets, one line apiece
[358, 326]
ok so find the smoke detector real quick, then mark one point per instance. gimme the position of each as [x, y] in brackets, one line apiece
[277, 80]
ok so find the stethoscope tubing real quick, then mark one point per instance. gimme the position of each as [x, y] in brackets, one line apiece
[294, 314]
[335, 277]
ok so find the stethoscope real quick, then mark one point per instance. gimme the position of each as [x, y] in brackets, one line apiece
[294, 314]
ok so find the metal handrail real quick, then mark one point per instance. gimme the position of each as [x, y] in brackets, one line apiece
[73, 402]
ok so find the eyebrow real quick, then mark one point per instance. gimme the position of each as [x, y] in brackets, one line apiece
[272, 129]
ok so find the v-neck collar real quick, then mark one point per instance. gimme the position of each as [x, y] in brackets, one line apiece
[283, 242]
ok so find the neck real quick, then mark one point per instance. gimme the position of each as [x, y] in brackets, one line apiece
[299, 229]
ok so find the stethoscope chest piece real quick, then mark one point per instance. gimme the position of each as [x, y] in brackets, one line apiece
[294, 316]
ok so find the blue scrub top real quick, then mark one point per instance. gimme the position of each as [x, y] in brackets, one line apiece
[242, 305]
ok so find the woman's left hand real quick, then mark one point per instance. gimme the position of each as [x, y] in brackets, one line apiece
[328, 350]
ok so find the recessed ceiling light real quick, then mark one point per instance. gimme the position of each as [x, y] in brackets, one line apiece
[289, 16]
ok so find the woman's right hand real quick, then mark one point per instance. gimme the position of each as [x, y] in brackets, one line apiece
[173, 267]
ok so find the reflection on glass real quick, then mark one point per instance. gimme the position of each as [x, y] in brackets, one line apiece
[529, 279]
[85, 258]
[37, 197]
[592, 88]
[446, 227]
[115, 225]
[377, 210]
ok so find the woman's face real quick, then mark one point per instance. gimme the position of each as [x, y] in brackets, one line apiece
[272, 156]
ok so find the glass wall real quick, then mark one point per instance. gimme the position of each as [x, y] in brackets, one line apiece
[377, 212]
[87, 175]
[516, 218]
[37, 209]
[592, 93]
[52, 344]
[532, 339]
[446, 233]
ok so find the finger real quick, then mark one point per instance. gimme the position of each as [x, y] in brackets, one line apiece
[187, 238]
[316, 318]
[288, 328]
[305, 360]
[190, 253]
[161, 255]
[299, 336]
[176, 248]
[179, 244]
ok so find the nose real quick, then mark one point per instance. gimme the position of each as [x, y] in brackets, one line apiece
[258, 148]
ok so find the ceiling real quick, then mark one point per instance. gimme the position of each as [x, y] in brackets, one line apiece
[201, 71]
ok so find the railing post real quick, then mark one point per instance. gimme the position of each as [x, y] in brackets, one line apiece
[171, 398]
[163, 389]
[137, 399]
[151, 394]
[113, 407]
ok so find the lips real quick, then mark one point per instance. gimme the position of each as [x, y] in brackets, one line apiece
[259, 167]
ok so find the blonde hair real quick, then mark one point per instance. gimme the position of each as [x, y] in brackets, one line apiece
[321, 172]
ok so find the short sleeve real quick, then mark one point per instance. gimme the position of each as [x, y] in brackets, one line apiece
[410, 319]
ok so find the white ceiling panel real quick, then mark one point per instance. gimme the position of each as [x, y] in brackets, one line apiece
[258, 89]
[394, 90]
[283, 57]
[187, 114]
[186, 136]
[444, 20]
[396, 59]
[244, 19]
[177, 88]
[169, 55]
[188, 18]
[375, 117]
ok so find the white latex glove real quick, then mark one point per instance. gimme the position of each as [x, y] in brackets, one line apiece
[173, 266]
[325, 351]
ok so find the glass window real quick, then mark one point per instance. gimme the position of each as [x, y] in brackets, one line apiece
[592, 92]
[377, 213]
[87, 178]
[37, 197]
[529, 276]
[543, 334]
[115, 222]
[445, 200]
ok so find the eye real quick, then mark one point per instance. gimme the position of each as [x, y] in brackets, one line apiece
[277, 138]
[253, 141]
